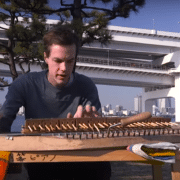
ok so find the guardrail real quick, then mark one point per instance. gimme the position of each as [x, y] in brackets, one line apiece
[112, 62]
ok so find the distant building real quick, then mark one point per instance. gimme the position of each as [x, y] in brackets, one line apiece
[170, 110]
[104, 113]
[125, 112]
[118, 108]
[131, 113]
[109, 107]
[104, 108]
[112, 112]
[138, 104]
[155, 110]
[163, 104]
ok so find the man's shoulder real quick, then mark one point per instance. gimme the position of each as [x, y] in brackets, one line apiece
[84, 83]
[31, 76]
[35, 74]
[80, 78]
[29, 79]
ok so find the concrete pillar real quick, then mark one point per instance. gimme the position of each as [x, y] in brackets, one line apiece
[149, 104]
[143, 99]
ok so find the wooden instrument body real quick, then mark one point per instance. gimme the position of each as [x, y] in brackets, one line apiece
[39, 149]
[89, 149]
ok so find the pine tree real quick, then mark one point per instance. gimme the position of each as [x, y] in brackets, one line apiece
[23, 29]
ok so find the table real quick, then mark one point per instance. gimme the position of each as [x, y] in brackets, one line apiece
[27, 149]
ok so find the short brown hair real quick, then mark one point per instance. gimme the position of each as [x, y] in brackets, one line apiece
[60, 35]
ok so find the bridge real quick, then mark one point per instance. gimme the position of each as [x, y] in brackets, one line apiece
[136, 58]
[115, 74]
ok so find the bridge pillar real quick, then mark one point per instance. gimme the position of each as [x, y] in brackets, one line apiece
[147, 101]
[148, 105]
[171, 57]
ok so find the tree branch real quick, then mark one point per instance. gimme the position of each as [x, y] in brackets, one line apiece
[1, 61]
[3, 83]
[3, 28]
[62, 4]
[21, 67]
[4, 46]
[84, 13]
[96, 8]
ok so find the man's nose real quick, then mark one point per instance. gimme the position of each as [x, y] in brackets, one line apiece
[63, 66]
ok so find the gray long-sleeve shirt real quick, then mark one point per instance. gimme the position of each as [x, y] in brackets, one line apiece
[42, 100]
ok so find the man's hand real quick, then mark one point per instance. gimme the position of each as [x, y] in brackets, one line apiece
[88, 111]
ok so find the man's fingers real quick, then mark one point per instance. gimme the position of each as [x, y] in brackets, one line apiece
[95, 112]
[79, 112]
[94, 109]
[69, 115]
[88, 109]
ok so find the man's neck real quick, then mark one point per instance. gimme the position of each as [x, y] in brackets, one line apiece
[70, 80]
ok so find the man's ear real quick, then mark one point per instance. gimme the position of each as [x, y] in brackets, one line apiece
[45, 57]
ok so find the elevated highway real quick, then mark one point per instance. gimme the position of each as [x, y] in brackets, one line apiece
[113, 74]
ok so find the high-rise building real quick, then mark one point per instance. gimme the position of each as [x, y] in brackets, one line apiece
[163, 104]
[104, 108]
[118, 108]
[138, 104]
[109, 107]
[155, 110]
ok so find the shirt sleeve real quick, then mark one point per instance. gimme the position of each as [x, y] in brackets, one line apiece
[14, 100]
[91, 96]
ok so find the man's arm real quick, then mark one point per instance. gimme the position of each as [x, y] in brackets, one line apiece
[89, 105]
[14, 100]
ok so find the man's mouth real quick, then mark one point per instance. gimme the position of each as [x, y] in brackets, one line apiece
[61, 76]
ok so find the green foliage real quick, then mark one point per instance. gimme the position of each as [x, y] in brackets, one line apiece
[25, 29]
[67, 14]
[123, 8]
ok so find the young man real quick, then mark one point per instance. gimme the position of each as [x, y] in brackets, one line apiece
[57, 92]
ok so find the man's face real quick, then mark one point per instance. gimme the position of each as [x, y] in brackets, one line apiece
[60, 64]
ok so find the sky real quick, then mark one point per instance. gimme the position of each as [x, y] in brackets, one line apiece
[162, 15]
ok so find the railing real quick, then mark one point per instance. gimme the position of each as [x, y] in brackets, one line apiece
[122, 63]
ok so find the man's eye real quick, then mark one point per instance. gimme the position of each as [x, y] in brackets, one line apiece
[57, 61]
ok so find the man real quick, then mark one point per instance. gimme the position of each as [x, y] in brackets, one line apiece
[57, 92]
